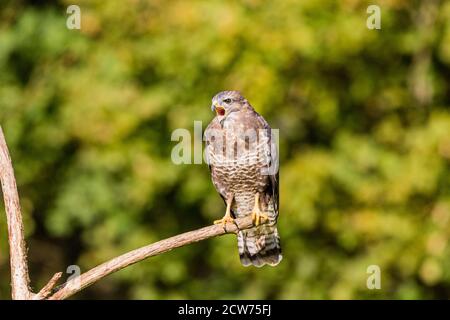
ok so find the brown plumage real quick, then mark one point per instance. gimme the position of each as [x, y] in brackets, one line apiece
[244, 170]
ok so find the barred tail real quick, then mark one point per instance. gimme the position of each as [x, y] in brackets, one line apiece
[259, 246]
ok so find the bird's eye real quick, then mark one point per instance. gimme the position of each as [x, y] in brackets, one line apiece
[227, 100]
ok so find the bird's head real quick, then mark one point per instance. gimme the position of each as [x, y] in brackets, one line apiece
[226, 102]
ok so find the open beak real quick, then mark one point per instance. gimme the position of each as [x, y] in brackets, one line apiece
[220, 111]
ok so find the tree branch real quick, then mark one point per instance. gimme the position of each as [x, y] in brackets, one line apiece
[20, 281]
[86, 279]
[47, 289]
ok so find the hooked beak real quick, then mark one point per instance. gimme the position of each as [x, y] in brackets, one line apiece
[220, 111]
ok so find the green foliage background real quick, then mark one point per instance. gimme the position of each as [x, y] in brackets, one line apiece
[364, 126]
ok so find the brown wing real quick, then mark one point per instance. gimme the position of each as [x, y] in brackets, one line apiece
[273, 187]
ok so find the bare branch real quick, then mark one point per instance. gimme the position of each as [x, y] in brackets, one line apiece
[20, 281]
[47, 289]
[19, 268]
[86, 279]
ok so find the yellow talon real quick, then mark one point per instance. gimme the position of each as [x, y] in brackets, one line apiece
[227, 217]
[224, 220]
[258, 216]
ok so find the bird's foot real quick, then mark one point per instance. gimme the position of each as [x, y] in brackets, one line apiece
[224, 220]
[259, 217]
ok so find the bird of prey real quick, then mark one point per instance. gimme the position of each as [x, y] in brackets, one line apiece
[244, 170]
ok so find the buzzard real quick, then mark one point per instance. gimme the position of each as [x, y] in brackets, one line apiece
[243, 162]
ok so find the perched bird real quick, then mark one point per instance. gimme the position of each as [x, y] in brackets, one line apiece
[244, 170]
